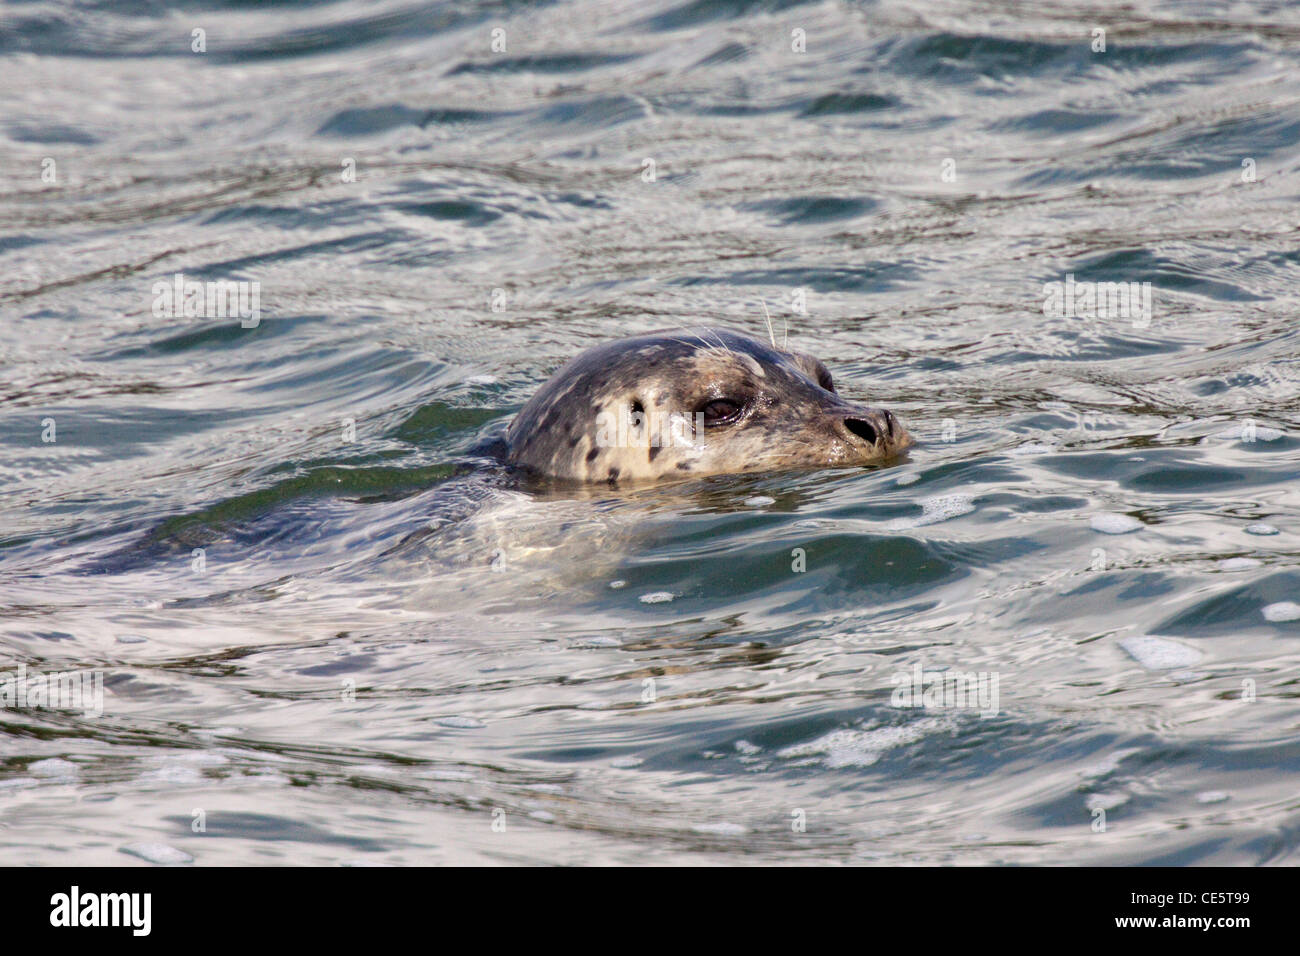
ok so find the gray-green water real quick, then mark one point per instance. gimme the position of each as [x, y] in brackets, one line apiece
[207, 530]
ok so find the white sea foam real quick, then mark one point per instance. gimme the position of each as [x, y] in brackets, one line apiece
[1239, 564]
[1160, 653]
[1115, 524]
[934, 510]
[1282, 611]
[159, 853]
[862, 748]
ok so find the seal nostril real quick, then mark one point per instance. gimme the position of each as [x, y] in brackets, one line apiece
[889, 423]
[862, 429]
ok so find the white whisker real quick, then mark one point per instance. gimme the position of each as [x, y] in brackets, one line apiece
[770, 334]
[726, 348]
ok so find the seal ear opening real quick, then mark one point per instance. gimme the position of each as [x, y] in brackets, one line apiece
[814, 368]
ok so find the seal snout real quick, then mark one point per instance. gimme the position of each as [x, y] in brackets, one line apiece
[876, 428]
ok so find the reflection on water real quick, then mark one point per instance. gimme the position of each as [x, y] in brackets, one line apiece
[322, 640]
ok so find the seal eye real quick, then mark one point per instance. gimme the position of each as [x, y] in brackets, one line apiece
[720, 411]
[824, 379]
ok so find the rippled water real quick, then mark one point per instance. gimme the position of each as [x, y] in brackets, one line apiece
[217, 524]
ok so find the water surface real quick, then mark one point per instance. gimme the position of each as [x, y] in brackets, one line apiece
[435, 227]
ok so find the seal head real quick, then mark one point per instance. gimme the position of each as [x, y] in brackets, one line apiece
[684, 403]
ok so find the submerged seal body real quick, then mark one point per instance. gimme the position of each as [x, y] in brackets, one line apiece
[684, 403]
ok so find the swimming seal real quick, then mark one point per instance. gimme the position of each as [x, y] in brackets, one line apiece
[684, 403]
